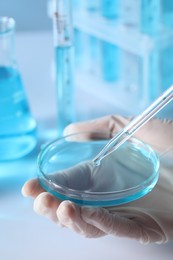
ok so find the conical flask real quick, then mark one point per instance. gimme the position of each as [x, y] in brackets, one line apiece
[17, 126]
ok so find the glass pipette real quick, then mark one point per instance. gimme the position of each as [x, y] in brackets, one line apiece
[131, 128]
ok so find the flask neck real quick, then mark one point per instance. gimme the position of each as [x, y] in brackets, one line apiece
[7, 42]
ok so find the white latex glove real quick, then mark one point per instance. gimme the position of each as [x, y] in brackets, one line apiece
[149, 219]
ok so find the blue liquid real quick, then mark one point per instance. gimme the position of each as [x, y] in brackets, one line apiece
[17, 127]
[78, 43]
[131, 172]
[110, 62]
[109, 8]
[167, 16]
[65, 87]
[150, 16]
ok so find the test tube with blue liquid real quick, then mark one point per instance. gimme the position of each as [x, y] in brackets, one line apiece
[167, 13]
[63, 42]
[109, 9]
[78, 46]
[110, 62]
[17, 126]
[150, 16]
[166, 59]
[110, 52]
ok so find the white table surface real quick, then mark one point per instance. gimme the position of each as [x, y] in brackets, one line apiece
[23, 234]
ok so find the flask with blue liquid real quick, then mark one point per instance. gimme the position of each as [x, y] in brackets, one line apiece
[17, 126]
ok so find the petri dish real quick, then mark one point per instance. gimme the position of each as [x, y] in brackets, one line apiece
[66, 170]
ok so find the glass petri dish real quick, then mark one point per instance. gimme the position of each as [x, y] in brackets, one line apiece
[66, 170]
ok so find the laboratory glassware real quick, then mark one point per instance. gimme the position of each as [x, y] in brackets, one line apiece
[129, 130]
[142, 33]
[109, 9]
[66, 170]
[64, 62]
[17, 126]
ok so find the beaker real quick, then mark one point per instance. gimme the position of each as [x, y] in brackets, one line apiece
[17, 126]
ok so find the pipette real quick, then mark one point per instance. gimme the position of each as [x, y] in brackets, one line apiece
[130, 129]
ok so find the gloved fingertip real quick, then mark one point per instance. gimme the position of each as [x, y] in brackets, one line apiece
[46, 205]
[39, 206]
[68, 215]
[66, 211]
[70, 129]
[29, 187]
[23, 192]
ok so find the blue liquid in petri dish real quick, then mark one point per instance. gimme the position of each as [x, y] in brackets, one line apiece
[17, 127]
[126, 175]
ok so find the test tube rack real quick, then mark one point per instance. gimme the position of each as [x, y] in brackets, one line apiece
[124, 50]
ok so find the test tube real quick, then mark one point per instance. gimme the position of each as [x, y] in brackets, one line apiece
[150, 16]
[167, 13]
[109, 8]
[109, 52]
[110, 61]
[64, 65]
[129, 13]
[78, 46]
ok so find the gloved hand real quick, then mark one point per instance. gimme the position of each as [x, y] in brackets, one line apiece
[149, 219]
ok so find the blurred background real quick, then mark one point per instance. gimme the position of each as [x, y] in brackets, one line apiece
[123, 59]
[123, 49]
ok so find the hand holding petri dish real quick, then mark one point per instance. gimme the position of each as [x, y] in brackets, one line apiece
[73, 168]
